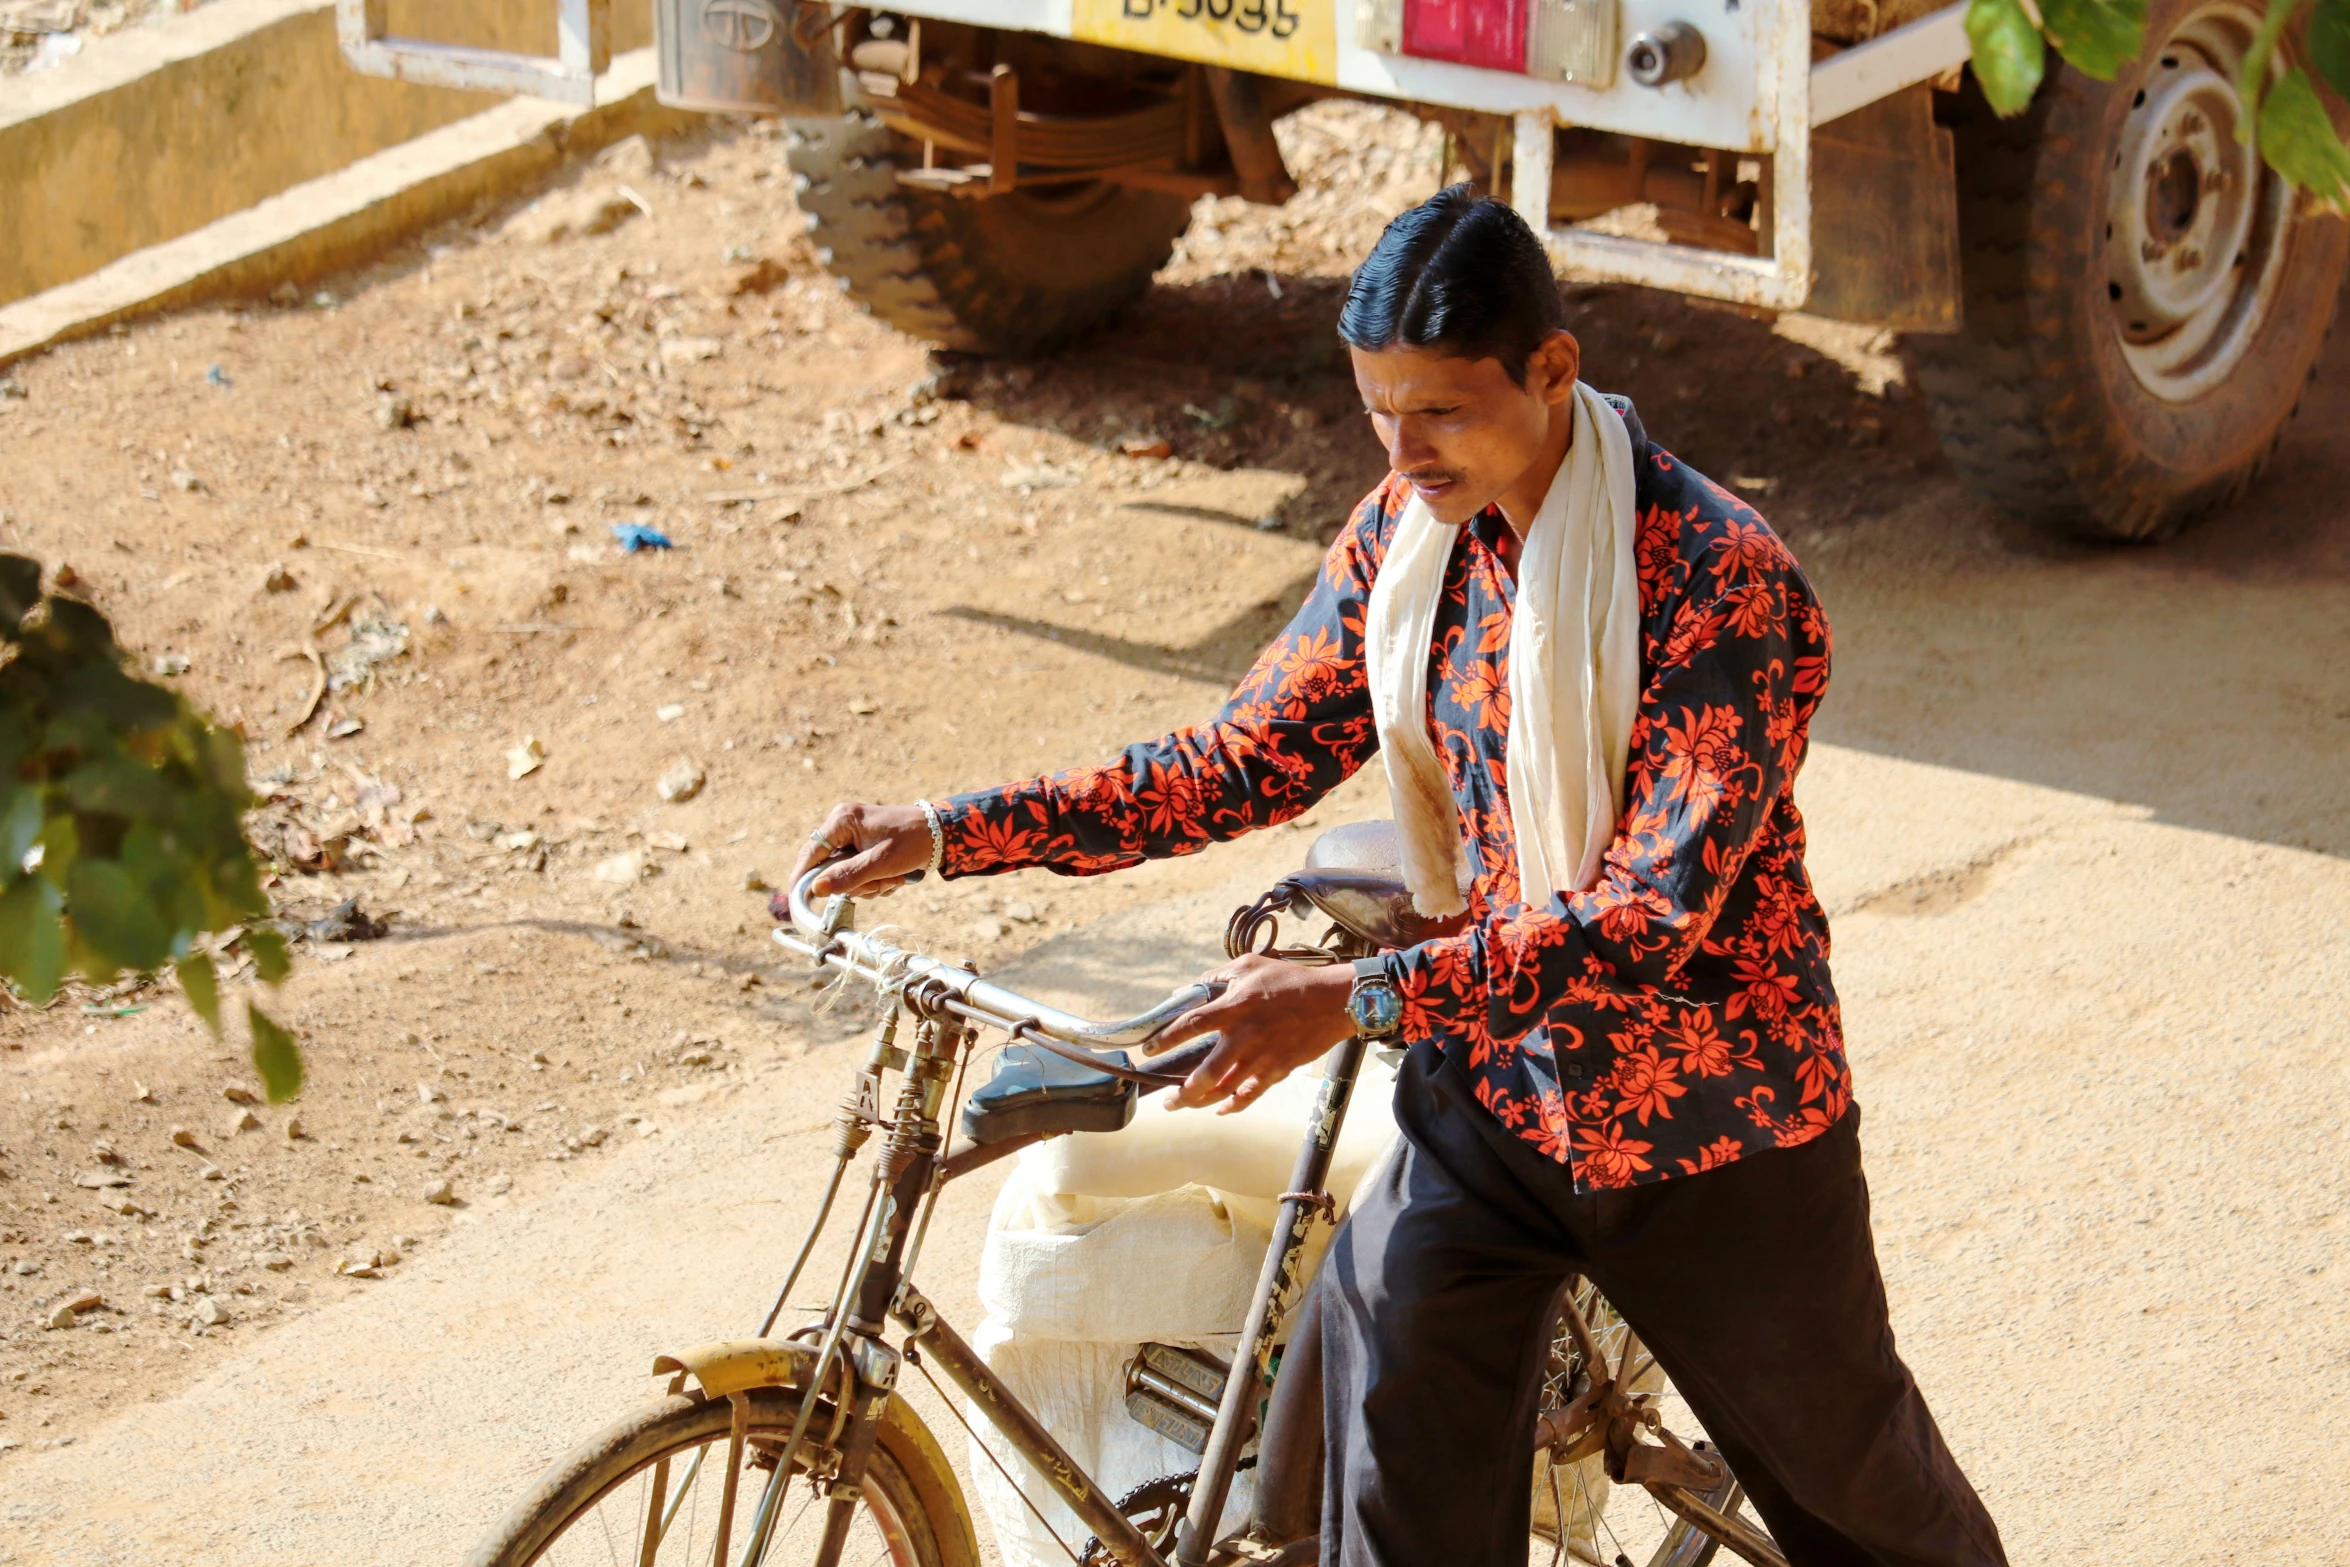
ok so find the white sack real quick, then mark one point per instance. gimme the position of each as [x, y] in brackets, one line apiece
[1102, 1242]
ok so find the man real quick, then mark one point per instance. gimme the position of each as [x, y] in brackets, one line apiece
[1589, 674]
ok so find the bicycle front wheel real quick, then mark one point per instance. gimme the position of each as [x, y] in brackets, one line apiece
[650, 1492]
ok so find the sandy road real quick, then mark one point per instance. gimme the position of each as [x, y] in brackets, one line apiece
[2081, 822]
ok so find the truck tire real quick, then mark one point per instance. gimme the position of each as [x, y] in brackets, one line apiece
[2119, 371]
[1014, 274]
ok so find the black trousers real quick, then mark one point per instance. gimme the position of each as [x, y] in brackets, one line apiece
[1755, 1285]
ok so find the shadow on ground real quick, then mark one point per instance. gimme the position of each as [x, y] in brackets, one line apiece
[2207, 678]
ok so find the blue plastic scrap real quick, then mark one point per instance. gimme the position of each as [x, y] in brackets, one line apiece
[634, 536]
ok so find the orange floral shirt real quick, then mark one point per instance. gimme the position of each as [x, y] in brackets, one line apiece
[1677, 1016]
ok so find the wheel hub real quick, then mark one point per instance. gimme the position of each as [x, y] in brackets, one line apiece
[2194, 224]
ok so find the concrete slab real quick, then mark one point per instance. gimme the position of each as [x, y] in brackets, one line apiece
[344, 218]
[155, 132]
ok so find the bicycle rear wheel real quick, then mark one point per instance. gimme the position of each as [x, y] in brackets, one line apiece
[648, 1492]
[1606, 1524]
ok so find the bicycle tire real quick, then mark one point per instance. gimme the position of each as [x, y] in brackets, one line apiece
[908, 1484]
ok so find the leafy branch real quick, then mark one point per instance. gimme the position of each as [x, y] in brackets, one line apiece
[121, 823]
[2010, 39]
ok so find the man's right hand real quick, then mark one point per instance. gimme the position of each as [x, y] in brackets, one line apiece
[890, 840]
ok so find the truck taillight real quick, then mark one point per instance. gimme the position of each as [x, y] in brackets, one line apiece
[1490, 33]
[1562, 40]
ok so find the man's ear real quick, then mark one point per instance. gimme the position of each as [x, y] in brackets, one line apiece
[1554, 367]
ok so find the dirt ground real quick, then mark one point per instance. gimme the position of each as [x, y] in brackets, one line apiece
[2092, 803]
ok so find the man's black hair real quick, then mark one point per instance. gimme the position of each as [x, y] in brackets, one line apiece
[1458, 274]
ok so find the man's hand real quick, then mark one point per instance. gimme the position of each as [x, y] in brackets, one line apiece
[890, 840]
[1274, 1016]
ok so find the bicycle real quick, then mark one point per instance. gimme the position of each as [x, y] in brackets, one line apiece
[819, 1404]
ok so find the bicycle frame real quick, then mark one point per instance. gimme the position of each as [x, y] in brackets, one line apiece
[857, 1370]
[949, 1006]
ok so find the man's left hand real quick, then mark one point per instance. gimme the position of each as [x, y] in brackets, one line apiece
[1274, 1016]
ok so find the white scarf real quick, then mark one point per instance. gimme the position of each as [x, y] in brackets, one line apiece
[1574, 676]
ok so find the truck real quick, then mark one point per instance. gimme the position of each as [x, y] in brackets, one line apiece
[2110, 301]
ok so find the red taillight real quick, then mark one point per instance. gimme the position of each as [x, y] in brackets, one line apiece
[1488, 33]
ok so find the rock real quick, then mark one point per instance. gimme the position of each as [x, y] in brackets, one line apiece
[212, 1172]
[526, 758]
[990, 929]
[753, 881]
[181, 1137]
[101, 1180]
[104, 1152]
[395, 413]
[276, 579]
[690, 350]
[1146, 446]
[243, 1121]
[1020, 913]
[441, 1193]
[274, 1261]
[591, 1137]
[499, 1185]
[185, 480]
[560, 216]
[669, 712]
[621, 869]
[239, 1094]
[674, 842]
[294, 1132]
[864, 706]
[157, 1292]
[64, 1312]
[681, 782]
[429, 1094]
[210, 1313]
[630, 158]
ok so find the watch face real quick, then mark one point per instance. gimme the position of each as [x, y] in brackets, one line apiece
[1375, 1008]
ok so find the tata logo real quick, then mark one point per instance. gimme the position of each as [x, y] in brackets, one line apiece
[745, 26]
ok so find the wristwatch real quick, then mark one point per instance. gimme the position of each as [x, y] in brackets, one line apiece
[1374, 1006]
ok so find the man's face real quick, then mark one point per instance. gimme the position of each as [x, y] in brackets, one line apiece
[1460, 429]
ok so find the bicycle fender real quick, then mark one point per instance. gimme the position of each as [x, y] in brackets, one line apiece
[738, 1365]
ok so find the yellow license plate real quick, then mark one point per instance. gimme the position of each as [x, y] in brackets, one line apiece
[1293, 38]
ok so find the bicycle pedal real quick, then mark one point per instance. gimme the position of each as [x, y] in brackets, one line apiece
[1176, 1392]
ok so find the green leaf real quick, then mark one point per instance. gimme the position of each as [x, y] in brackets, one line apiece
[20, 828]
[32, 937]
[2300, 143]
[61, 845]
[202, 988]
[2329, 43]
[275, 1056]
[268, 946]
[2096, 37]
[115, 915]
[2252, 75]
[2009, 58]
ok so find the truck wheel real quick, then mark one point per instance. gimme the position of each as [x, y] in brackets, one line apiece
[2145, 299]
[1013, 274]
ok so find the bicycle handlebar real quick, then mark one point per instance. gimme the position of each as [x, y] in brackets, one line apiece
[829, 938]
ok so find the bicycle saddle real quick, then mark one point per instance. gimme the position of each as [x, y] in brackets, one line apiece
[1036, 1092]
[1354, 876]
